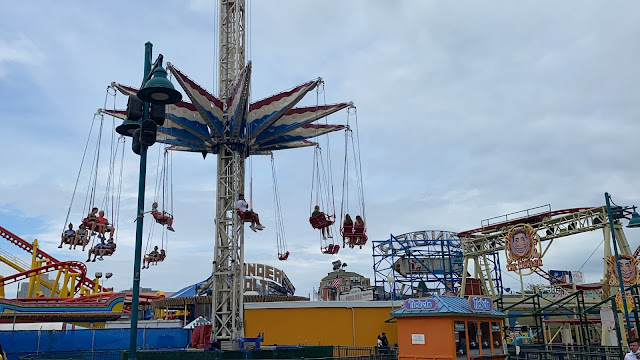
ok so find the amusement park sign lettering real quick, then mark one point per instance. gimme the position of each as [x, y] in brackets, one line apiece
[266, 280]
[480, 304]
[524, 264]
[420, 304]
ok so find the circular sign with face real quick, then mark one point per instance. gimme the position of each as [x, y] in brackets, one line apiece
[628, 270]
[521, 242]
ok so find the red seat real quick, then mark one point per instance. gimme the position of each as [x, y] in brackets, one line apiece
[246, 216]
[161, 218]
[331, 249]
[321, 220]
[354, 235]
[284, 256]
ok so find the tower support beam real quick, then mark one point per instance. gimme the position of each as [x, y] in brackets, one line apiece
[228, 264]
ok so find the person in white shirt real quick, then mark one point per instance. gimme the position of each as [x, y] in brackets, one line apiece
[242, 208]
[634, 353]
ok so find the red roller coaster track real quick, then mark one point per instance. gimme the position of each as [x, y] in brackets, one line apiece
[73, 266]
[521, 220]
[52, 265]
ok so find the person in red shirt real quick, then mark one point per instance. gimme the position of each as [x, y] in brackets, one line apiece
[102, 225]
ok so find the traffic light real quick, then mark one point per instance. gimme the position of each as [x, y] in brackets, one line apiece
[148, 132]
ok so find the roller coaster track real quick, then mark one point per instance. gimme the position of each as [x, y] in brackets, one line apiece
[83, 280]
[549, 225]
[75, 267]
[566, 222]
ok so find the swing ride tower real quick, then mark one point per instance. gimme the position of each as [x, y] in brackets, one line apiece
[227, 315]
[271, 124]
[233, 128]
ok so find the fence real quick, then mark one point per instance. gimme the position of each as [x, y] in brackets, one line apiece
[101, 341]
[364, 352]
[285, 352]
[75, 355]
[566, 352]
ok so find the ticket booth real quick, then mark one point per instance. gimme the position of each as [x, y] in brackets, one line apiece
[448, 327]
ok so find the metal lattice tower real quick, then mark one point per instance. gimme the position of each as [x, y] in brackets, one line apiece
[227, 315]
[233, 129]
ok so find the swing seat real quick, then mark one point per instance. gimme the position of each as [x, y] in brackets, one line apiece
[321, 220]
[331, 249]
[284, 256]
[162, 218]
[245, 216]
[354, 235]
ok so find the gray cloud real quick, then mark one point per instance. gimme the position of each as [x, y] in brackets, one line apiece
[466, 111]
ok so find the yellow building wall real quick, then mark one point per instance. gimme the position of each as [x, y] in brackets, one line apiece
[321, 326]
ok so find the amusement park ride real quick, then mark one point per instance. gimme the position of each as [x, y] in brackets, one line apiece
[468, 262]
[232, 127]
[72, 297]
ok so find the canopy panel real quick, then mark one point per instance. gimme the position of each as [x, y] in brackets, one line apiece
[264, 126]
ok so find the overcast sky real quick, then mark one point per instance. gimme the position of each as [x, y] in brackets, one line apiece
[466, 111]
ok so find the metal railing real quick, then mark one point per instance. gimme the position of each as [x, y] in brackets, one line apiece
[75, 355]
[364, 352]
[566, 352]
[339, 353]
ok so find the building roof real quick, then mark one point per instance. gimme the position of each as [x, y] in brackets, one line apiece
[180, 302]
[447, 306]
[343, 274]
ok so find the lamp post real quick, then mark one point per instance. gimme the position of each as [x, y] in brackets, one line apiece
[635, 222]
[156, 90]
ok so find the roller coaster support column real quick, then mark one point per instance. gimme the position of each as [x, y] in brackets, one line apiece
[619, 210]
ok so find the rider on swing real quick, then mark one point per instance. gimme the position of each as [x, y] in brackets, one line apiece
[242, 208]
[324, 230]
[162, 217]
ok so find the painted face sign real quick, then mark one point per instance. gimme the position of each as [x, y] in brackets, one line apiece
[521, 243]
[628, 270]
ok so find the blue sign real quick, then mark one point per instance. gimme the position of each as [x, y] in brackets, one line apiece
[420, 304]
[480, 304]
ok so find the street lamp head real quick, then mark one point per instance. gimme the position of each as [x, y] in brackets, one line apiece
[128, 127]
[635, 220]
[98, 275]
[159, 90]
[108, 275]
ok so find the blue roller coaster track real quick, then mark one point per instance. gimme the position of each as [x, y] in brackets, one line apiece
[420, 263]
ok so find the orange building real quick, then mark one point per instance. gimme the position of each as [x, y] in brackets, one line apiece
[349, 323]
[447, 327]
